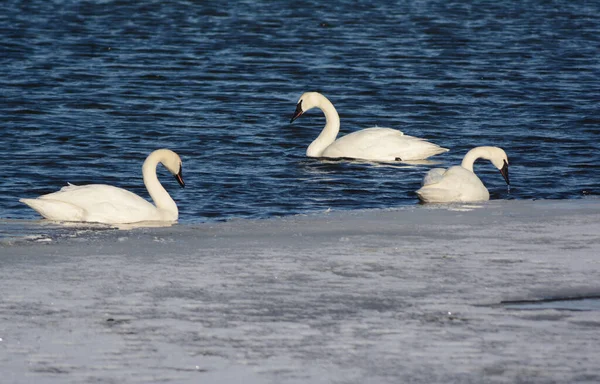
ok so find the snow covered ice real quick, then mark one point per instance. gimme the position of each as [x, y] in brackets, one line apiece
[380, 296]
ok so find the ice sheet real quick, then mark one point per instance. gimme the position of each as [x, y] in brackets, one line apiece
[385, 296]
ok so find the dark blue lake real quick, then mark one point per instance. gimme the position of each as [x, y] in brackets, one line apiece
[89, 88]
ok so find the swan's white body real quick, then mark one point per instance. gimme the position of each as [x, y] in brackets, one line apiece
[459, 183]
[376, 144]
[102, 203]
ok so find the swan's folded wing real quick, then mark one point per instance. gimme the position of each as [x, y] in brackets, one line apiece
[434, 175]
[382, 144]
[368, 144]
[101, 199]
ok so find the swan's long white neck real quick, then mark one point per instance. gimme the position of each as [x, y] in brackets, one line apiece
[329, 132]
[473, 155]
[159, 194]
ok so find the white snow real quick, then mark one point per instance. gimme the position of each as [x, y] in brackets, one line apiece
[383, 296]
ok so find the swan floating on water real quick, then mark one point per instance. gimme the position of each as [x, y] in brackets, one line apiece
[459, 183]
[101, 203]
[376, 144]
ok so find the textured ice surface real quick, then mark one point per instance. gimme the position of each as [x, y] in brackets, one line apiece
[392, 296]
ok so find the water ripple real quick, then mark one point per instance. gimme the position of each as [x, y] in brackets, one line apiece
[89, 89]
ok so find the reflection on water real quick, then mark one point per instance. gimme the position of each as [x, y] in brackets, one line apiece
[144, 224]
[565, 304]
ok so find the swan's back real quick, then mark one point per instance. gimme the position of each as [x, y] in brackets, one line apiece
[457, 184]
[94, 203]
[382, 144]
[82, 195]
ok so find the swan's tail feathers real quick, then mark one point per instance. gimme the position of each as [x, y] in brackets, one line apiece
[436, 150]
[55, 209]
[422, 151]
[437, 195]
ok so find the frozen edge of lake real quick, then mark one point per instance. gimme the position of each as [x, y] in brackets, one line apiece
[399, 295]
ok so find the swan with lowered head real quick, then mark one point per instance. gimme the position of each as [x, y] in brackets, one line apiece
[459, 183]
[376, 144]
[101, 203]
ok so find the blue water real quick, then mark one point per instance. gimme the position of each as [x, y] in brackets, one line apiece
[90, 88]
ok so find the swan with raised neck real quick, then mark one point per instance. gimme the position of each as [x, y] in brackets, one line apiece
[376, 144]
[162, 199]
[107, 204]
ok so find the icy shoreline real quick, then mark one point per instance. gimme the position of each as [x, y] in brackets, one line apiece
[386, 296]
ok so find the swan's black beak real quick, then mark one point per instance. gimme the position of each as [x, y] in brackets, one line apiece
[504, 172]
[298, 112]
[179, 177]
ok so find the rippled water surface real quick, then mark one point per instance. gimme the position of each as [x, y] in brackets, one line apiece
[90, 88]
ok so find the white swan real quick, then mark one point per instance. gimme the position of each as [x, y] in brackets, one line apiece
[377, 144]
[459, 183]
[101, 203]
